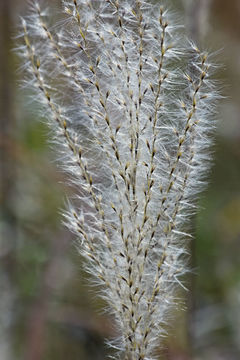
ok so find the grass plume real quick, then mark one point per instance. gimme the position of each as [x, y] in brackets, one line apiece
[131, 107]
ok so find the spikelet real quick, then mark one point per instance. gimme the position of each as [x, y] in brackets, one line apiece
[131, 106]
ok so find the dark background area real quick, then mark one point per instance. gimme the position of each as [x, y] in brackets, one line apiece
[47, 310]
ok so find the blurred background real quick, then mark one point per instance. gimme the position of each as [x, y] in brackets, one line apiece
[47, 310]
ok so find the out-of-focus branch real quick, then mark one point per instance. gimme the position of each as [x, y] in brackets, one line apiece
[7, 183]
[197, 12]
[7, 169]
[38, 315]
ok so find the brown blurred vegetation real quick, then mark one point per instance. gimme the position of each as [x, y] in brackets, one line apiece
[47, 310]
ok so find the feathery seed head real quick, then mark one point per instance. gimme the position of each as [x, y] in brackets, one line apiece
[132, 112]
